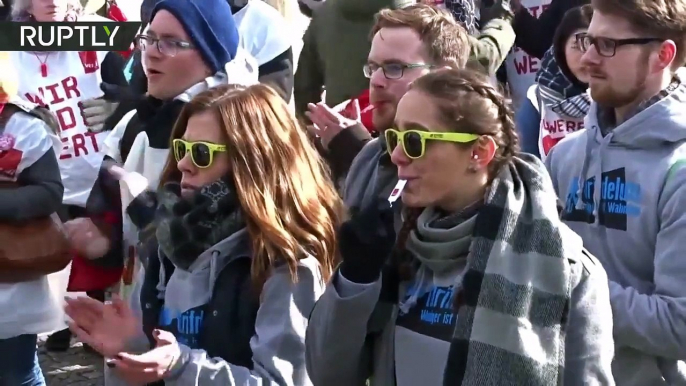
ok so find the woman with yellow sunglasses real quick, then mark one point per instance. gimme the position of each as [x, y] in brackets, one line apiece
[242, 243]
[481, 284]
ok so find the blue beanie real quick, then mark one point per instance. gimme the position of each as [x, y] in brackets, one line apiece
[210, 25]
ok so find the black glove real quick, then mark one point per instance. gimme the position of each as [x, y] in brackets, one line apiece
[142, 209]
[501, 9]
[366, 241]
[117, 93]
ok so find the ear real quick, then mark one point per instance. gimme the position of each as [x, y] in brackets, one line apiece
[666, 55]
[483, 152]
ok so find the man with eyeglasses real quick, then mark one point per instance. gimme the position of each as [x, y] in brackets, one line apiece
[407, 43]
[622, 180]
[188, 47]
[341, 135]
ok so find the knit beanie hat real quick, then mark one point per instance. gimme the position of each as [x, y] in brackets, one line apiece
[210, 25]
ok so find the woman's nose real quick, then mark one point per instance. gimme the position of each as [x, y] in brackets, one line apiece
[398, 156]
[185, 165]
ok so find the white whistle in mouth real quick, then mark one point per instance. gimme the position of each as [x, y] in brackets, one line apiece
[397, 191]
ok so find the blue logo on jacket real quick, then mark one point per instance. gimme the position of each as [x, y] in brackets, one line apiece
[619, 199]
[184, 325]
[432, 314]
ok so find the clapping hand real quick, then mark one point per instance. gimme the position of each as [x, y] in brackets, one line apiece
[106, 327]
[151, 366]
[86, 238]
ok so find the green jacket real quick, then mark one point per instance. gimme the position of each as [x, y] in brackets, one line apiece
[336, 45]
[490, 47]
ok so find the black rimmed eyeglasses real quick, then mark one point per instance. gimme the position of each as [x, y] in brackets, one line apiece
[607, 47]
[391, 70]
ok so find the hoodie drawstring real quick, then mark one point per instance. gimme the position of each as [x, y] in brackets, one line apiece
[599, 175]
[583, 171]
[597, 172]
[162, 284]
[213, 270]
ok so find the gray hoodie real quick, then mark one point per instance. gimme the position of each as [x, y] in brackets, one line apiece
[629, 210]
[278, 345]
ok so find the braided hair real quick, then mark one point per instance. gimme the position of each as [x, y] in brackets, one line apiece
[467, 103]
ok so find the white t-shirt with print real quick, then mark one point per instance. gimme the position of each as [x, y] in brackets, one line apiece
[521, 67]
[72, 77]
[28, 307]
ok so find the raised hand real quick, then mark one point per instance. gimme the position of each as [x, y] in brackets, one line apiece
[327, 122]
[107, 327]
[366, 242]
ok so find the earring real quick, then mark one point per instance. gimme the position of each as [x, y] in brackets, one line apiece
[472, 168]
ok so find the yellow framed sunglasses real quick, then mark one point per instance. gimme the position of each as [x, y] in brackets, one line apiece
[414, 141]
[202, 153]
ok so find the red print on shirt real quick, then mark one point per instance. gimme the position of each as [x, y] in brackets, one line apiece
[556, 131]
[89, 59]
[9, 156]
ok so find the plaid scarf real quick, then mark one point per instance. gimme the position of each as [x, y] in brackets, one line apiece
[187, 228]
[513, 301]
[557, 92]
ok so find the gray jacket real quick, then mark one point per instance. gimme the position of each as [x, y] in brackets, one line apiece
[278, 344]
[350, 336]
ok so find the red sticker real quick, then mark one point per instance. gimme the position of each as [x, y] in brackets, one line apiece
[6, 142]
[89, 60]
[9, 162]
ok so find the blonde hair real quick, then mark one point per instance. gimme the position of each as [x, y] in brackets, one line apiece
[21, 8]
[285, 190]
[8, 78]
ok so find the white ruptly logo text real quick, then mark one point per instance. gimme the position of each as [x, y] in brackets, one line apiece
[56, 36]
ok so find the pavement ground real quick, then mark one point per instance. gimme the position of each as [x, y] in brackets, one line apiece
[75, 367]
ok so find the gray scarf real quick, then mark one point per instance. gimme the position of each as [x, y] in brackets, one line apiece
[442, 243]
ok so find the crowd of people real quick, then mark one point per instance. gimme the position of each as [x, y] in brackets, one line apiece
[458, 192]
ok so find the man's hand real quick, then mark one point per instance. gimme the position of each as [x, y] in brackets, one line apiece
[86, 238]
[95, 112]
[327, 123]
[501, 9]
[516, 5]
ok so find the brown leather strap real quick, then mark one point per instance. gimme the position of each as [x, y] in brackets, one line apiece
[41, 113]
[7, 113]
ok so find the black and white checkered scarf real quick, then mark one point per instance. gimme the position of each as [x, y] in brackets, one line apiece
[464, 12]
[513, 301]
[557, 92]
